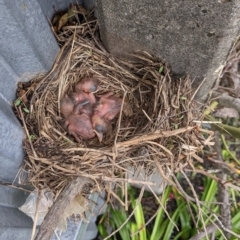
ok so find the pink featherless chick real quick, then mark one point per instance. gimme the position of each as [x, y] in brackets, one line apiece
[101, 126]
[66, 105]
[105, 110]
[85, 89]
[89, 85]
[108, 106]
[80, 127]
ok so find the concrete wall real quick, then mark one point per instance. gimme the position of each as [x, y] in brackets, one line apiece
[194, 37]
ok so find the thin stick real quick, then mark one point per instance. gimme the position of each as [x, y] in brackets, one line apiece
[13, 186]
[223, 196]
[36, 214]
[209, 229]
[126, 192]
[26, 130]
[194, 94]
[153, 136]
[53, 216]
[104, 152]
[197, 202]
[119, 123]
[128, 180]
[46, 161]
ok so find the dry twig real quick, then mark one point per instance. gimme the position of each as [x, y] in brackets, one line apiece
[51, 220]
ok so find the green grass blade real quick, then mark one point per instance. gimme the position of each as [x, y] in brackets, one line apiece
[139, 218]
[184, 232]
[138, 214]
[211, 193]
[234, 200]
[102, 231]
[159, 217]
[157, 235]
[236, 221]
[228, 150]
[133, 229]
[171, 226]
[118, 218]
[207, 183]
[184, 216]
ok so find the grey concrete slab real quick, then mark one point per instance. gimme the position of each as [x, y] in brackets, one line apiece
[27, 48]
[14, 218]
[12, 197]
[8, 233]
[11, 135]
[28, 45]
[8, 80]
[141, 175]
[194, 37]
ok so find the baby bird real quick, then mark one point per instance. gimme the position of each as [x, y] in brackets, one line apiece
[89, 85]
[105, 110]
[108, 106]
[80, 126]
[83, 108]
[80, 96]
[66, 105]
[101, 126]
[85, 89]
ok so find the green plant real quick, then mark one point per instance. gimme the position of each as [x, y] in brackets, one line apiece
[179, 224]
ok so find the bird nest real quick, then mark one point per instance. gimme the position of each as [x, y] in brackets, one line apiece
[156, 128]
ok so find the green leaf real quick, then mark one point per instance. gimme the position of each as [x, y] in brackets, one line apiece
[223, 128]
[225, 154]
[211, 192]
[236, 221]
[212, 107]
[160, 69]
[26, 110]
[183, 98]
[171, 226]
[234, 199]
[102, 231]
[139, 217]
[32, 137]
[119, 217]
[227, 148]
[133, 229]
[185, 217]
[156, 232]
[184, 233]
[160, 231]
[17, 102]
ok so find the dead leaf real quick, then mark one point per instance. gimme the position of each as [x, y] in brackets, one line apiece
[77, 207]
[56, 18]
[71, 13]
[20, 85]
[81, 10]
[22, 95]
[55, 29]
[62, 21]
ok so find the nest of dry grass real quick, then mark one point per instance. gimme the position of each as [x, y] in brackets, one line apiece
[156, 128]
